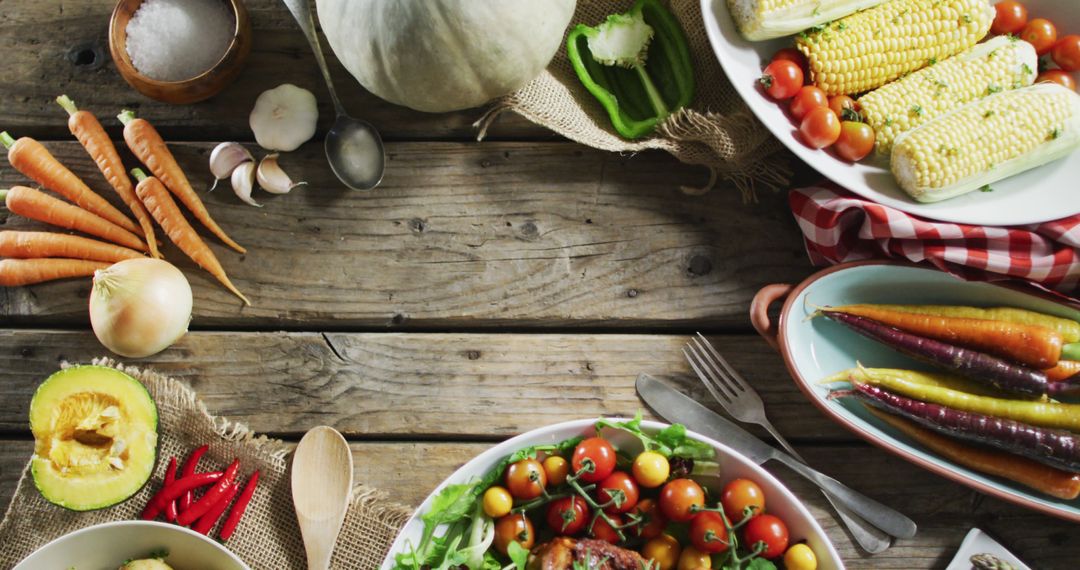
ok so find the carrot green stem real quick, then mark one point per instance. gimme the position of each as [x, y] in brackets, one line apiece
[138, 174]
[3, 197]
[6, 139]
[126, 116]
[68, 105]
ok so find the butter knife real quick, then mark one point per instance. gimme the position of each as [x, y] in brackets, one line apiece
[675, 406]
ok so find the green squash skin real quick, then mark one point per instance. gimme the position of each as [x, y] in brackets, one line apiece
[43, 393]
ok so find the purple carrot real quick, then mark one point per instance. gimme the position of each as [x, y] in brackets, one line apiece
[1054, 447]
[1067, 388]
[972, 364]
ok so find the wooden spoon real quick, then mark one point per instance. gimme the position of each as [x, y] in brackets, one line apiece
[322, 480]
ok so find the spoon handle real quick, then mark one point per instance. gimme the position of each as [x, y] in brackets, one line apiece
[301, 11]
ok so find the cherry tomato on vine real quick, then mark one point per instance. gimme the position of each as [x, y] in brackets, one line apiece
[800, 557]
[1040, 33]
[838, 103]
[514, 528]
[708, 533]
[680, 499]
[556, 468]
[598, 452]
[782, 79]
[497, 502]
[664, 550]
[526, 479]
[568, 515]
[651, 469]
[601, 530]
[806, 99]
[653, 522]
[740, 494]
[1066, 53]
[856, 140]
[618, 487]
[770, 530]
[1057, 76]
[1011, 17]
[820, 127]
[693, 559]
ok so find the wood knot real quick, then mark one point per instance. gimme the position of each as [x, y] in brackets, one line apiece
[529, 230]
[417, 225]
[700, 265]
[397, 319]
[472, 354]
[632, 293]
[26, 352]
[88, 56]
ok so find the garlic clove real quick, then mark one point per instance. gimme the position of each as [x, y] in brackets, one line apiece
[272, 178]
[225, 158]
[243, 180]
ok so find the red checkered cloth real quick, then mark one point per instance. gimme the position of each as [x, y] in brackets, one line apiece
[839, 227]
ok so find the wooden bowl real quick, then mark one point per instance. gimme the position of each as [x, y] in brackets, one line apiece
[198, 88]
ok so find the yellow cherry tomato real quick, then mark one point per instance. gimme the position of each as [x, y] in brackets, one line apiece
[556, 469]
[663, 550]
[497, 502]
[693, 559]
[800, 557]
[651, 469]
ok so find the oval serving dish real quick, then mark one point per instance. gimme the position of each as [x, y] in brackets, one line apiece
[814, 349]
[781, 502]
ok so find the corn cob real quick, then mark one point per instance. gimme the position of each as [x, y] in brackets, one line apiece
[871, 48]
[1000, 63]
[766, 19]
[987, 140]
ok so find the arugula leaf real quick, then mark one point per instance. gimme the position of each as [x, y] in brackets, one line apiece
[490, 562]
[451, 504]
[518, 555]
[760, 564]
[672, 441]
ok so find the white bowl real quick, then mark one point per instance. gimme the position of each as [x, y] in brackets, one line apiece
[778, 499]
[106, 546]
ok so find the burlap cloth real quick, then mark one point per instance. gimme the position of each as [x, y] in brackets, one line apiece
[717, 131]
[268, 537]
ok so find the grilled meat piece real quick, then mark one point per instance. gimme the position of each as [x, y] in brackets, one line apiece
[561, 553]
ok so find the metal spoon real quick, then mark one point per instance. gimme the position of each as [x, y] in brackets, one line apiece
[353, 147]
[322, 480]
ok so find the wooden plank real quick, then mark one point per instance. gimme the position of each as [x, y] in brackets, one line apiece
[474, 386]
[407, 471]
[470, 235]
[62, 47]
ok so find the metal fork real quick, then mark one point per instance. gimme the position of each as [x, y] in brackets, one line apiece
[743, 403]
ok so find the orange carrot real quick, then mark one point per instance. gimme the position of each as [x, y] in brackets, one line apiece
[1035, 346]
[1052, 481]
[30, 203]
[29, 245]
[1064, 370]
[85, 126]
[150, 148]
[168, 215]
[16, 272]
[37, 163]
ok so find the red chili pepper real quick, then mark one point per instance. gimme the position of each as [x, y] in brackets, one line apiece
[170, 478]
[209, 498]
[190, 466]
[206, 522]
[173, 492]
[238, 509]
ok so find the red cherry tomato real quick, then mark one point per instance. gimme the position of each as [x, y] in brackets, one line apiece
[653, 521]
[619, 485]
[514, 528]
[597, 452]
[1066, 53]
[568, 515]
[806, 99]
[793, 55]
[740, 494]
[680, 499]
[855, 142]
[708, 533]
[1057, 76]
[782, 79]
[1010, 18]
[770, 530]
[602, 530]
[1040, 33]
[526, 479]
[820, 127]
[838, 103]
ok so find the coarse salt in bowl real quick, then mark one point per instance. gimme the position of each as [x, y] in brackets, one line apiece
[173, 40]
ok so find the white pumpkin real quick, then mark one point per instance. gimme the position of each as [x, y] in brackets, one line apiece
[444, 55]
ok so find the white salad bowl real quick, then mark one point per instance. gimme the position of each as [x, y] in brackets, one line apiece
[106, 546]
[779, 500]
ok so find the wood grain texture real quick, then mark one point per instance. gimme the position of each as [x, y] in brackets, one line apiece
[943, 510]
[469, 235]
[62, 47]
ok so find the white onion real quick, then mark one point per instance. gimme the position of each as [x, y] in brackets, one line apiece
[140, 307]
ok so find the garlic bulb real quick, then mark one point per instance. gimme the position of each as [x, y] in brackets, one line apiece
[284, 117]
[272, 178]
[225, 158]
[243, 181]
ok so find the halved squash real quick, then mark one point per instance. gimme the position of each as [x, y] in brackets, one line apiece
[95, 437]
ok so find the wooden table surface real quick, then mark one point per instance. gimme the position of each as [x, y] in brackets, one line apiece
[483, 290]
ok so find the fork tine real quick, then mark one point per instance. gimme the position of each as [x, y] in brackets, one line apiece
[721, 397]
[732, 386]
[737, 379]
[709, 377]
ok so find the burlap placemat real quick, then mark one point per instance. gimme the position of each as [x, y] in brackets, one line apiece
[268, 537]
[718, 131]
